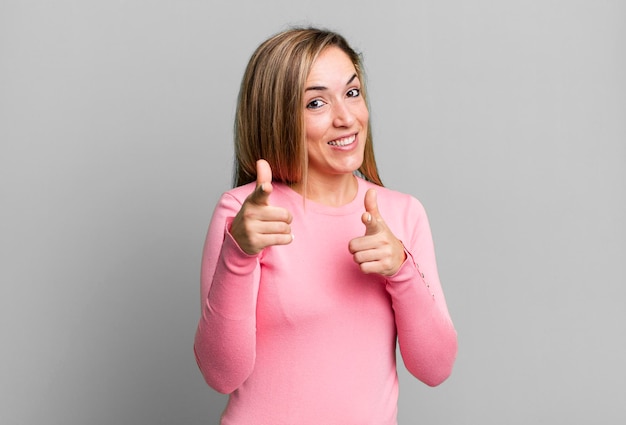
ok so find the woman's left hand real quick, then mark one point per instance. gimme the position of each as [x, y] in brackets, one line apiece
[378, 251]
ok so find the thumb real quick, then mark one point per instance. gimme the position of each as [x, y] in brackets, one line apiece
[263, 189]
[371, 218]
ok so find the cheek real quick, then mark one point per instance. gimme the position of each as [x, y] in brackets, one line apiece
[365, 114]
[314, 129]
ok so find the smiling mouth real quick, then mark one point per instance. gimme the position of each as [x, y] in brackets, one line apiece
[344, 141]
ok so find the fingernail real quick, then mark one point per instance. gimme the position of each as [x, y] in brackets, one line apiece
[292, 237]
[369, 217]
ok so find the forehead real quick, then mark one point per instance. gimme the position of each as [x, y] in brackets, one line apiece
[332, 63]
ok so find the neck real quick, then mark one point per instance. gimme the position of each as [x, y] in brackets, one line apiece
[330, 190]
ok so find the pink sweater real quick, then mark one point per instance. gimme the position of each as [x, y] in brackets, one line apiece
[299, 335]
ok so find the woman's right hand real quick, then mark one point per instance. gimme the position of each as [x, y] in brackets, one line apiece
[258, 224]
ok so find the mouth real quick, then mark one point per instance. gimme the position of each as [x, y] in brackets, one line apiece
[344, 141]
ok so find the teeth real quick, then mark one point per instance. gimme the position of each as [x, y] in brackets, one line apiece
[342, 142]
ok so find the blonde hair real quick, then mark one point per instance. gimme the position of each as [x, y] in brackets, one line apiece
[269, 122]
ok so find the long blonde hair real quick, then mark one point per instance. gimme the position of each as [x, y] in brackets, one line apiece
[269, 122]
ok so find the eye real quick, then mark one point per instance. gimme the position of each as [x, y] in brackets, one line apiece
[354, 93]
[315, 104]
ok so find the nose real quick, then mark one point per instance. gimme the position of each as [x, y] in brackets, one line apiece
[343, 116]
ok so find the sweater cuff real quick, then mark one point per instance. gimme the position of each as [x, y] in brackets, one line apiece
[233, 291]
[235, 259]
[409, 274]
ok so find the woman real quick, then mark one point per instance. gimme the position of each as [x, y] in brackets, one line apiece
[311, 268]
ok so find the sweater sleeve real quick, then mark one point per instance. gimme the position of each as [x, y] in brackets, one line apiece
[426, 335]
[225, 341]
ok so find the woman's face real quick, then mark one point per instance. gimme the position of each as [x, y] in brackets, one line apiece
[335, 115]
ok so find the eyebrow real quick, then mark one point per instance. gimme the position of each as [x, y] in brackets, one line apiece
[322, 88]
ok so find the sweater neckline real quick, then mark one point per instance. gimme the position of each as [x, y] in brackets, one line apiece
[308, 205]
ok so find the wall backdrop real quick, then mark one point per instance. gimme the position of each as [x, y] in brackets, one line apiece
[507, 119]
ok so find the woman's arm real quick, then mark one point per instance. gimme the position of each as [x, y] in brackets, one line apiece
[426, 335]
[225, 342]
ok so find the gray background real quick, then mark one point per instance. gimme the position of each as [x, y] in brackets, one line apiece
[506, 118]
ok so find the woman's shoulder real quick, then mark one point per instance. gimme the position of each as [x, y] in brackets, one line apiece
[233, 199]
[399, 199]
[239, 193]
